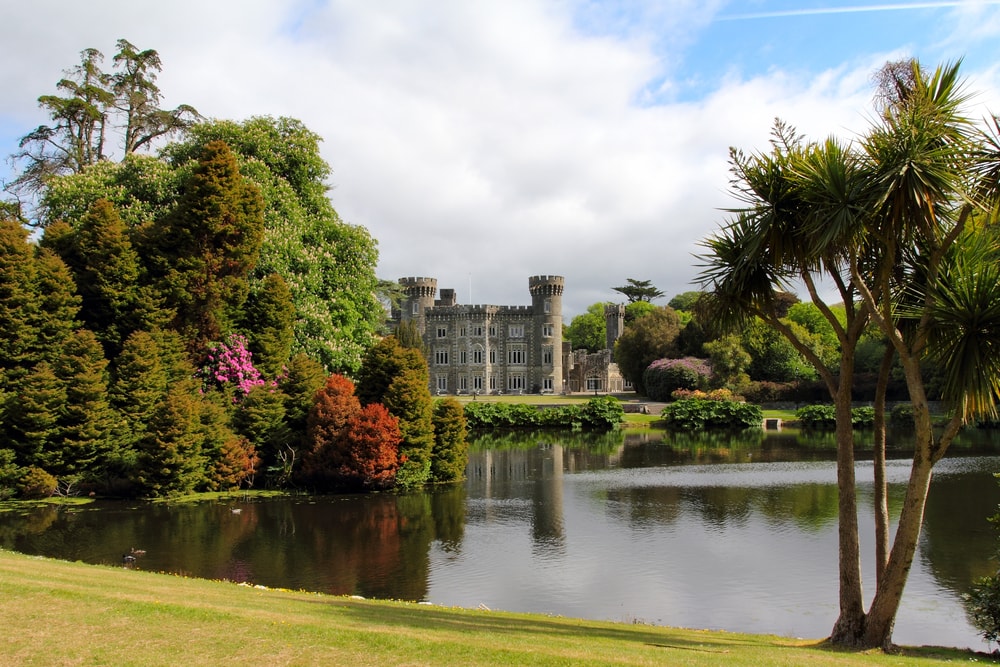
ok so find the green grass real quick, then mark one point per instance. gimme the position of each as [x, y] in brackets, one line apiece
[59, 613]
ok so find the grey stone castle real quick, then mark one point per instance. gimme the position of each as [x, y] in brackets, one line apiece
[484, 349]
[489, 349]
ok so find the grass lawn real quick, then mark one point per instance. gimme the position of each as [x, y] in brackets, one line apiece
[60, 613]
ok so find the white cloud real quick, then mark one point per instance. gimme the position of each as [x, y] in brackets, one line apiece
[489, 141]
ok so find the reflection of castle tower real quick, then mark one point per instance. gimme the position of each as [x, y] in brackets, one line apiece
[488, 349]
[614, 324]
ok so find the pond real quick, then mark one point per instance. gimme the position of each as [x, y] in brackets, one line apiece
[722, 532]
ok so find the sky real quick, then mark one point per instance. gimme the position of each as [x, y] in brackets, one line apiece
[484, 141]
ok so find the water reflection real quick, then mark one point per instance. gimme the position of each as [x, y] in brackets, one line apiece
[720, 532]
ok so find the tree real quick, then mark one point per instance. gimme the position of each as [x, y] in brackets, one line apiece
[890, 224]
[207, 247]
[586, 331]
[450, 454]
[685, 301]
[329, 265]
[97, 104]
[644, 341]
[332, 411]
[370, 449]
[269, 319]
[639, 290]
[408, 398]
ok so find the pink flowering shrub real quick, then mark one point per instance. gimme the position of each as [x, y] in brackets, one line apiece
[229, 365]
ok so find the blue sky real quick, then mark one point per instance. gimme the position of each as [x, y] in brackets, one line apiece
[483, 142]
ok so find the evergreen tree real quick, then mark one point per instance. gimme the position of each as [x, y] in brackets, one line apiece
[261, 420]
[269, 319]
[208, 246]
[33, 418]
[57, 306]
[86, 421]
[18, 302]
[305, 377]
[170, 460]
[409, 399]
[450, 454]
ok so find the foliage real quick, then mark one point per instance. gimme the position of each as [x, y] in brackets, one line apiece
[695, 414]
[269, 320]
[665, 376]
[639, 290]
[328, 265]
[685, 301]
[409, 399]
[371, 449]
[229, 365]
[334, 406]
[450, 454]
[236, 464]
[36, 483]
[97, 105]
[602, 413]
[599, 413]
[712, 395]
[587, 331]
[984, 607]
[644, 341]
[824, 416]
[729, 362]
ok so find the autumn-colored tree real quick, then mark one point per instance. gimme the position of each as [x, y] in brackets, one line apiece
[235, 465]
[335, 404]
[370, 449]
[450, 454]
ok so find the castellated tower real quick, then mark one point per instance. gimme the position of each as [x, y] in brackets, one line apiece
[546, 308]
[419, 298]
[614, 324]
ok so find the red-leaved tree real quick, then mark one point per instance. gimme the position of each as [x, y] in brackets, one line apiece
[370, 448]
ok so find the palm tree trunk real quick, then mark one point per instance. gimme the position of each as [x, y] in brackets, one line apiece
[881, 508]
[850, 625]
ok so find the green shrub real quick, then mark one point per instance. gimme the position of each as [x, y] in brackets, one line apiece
[700, 414]
[10, 474]
[451, 449]
[824, 416]
[36, 483]
[602, 413]
[984, 607]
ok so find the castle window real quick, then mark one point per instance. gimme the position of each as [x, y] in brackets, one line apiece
[442, 382]
[515, 381]
[463, 331]
[516, 331]
[547, 330]
[493, 330]
[477, 355]
[594, 384]
[477, 382]
[493, 355]
[463, 383]
[547, 354]
[462, 357]
[477, 330]
[517, 355]
[547, 384]
[493, 382]
[441, 356]
[442, 331]
[548, 306]
[416, 308]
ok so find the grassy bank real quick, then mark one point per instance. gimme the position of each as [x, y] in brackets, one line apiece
[58, 613]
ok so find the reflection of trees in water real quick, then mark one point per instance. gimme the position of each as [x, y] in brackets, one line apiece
[606, 442]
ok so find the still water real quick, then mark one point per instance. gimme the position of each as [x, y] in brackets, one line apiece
[722, 532]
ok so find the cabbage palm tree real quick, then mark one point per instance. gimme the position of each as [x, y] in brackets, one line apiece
[889, 222]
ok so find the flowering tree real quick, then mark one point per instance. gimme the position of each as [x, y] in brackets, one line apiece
[230, 365]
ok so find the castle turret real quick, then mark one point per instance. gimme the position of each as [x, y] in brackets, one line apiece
[614, 324]
[546, 305]
[419, 297]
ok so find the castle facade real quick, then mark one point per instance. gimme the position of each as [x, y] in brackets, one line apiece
[484, 349]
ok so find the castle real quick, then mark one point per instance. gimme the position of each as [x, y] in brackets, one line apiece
[480, 349]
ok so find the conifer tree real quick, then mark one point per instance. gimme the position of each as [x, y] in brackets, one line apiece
[33, 418]
[170, 460]
[370, 449]
[17, 302]
[324, 458]
[207, 247]
[269, 319]
[57, 306]
[450, 454]
[409, 399]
